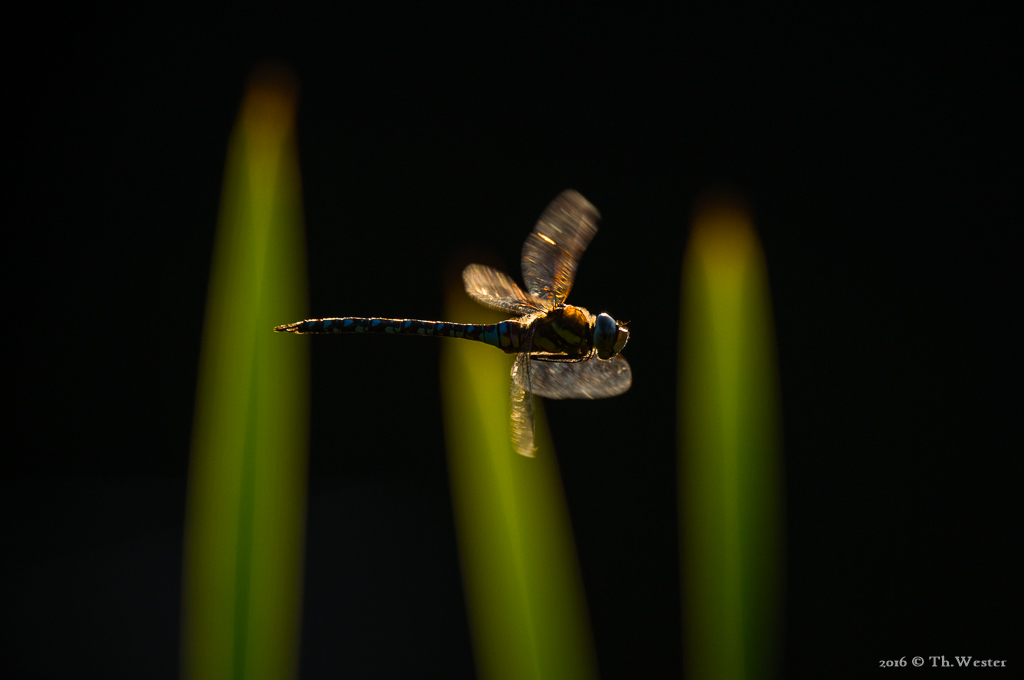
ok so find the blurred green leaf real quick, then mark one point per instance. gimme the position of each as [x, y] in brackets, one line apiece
[729, 484]
[527, 609]
[245, 524]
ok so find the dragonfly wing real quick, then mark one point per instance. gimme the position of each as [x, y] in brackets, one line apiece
[554, 247]
[592, 379]
[521, 406]
[493, 289]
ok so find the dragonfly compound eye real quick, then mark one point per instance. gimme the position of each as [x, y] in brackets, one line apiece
[605, 336]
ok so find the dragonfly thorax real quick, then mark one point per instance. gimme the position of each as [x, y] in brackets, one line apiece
[565, 330]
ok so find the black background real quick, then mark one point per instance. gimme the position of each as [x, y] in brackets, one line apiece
[881, 156]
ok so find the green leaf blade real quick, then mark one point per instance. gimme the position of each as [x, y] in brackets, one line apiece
[729, 453]
[247, 477]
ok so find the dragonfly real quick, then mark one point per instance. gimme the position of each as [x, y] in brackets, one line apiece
[562, 351]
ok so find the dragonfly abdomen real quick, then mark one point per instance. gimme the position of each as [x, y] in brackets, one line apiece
[507, 335]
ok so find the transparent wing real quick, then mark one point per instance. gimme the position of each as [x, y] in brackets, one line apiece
[554, 247]
[521, 406]
[592, 379]
[493, 289]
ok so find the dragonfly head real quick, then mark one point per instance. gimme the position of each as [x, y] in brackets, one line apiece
[609, 336]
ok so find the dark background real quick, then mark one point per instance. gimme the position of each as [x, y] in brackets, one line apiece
[881, 156]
